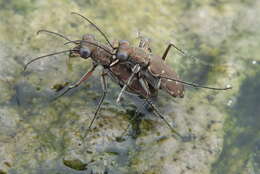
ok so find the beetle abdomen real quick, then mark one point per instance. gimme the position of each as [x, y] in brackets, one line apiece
[158, 68]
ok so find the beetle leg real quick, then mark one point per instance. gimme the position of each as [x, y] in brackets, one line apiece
[82, 79]
[168, 48]
[144, 86]
[135, 70]
[158, 83]
[114, 63]
[145, 43]
[157, 113]
[104, 87]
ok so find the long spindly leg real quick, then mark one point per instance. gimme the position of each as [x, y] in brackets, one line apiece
[82, 79]
[145, 43]
[157, 113]
[135, 70]
[104, 87]
[144, 85]
[168, 49]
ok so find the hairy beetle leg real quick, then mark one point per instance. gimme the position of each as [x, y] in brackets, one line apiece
[82, 79]
[135, 70]
[145, 43]
[168, 49]
[158, 114]
[104, 87]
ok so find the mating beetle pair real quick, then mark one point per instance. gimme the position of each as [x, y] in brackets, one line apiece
[135, 69]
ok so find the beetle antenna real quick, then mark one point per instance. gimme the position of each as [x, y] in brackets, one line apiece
[55, 33]
[191, 56]
[91, 43]
[41, 57]
[196, 85]
[94, 25]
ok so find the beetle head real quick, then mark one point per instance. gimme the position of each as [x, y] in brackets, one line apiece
[122, 53]
[86, 48]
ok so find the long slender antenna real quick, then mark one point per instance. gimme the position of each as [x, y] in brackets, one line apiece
[94, 25]
[91, 43]
[194, 57]
[195, 85]
[41, 57]
[55, 33]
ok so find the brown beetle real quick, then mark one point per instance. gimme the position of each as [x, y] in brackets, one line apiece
[101, 54]
[135, 69]
[154, 69]
[120, 72]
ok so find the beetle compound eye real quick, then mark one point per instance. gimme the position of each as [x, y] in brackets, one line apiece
[84, 52]
[122, 56]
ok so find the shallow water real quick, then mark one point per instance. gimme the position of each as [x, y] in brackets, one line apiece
[38, 135]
